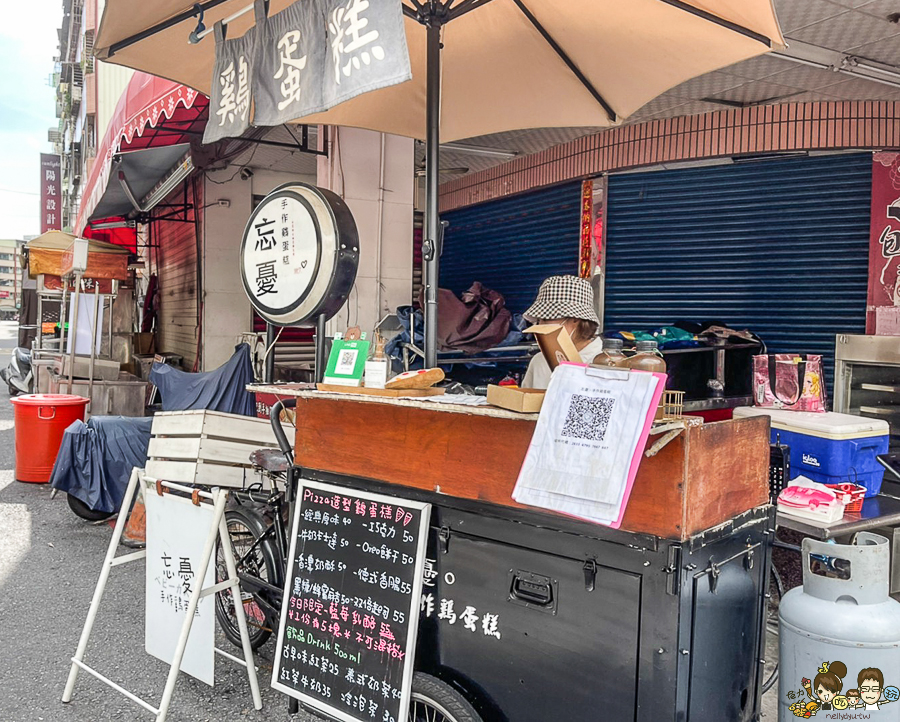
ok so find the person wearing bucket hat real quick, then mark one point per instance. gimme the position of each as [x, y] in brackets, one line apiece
[569, 301]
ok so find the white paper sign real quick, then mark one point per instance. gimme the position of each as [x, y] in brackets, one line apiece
[176, 535]
[83, 329]
[580, 460]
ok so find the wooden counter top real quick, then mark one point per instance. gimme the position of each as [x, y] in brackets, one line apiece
[292, 391]
[704, 477]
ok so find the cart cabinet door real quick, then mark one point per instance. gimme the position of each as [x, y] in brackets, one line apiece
[725, 628]
[521, 631]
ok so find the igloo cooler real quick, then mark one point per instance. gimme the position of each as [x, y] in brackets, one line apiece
[830, 448]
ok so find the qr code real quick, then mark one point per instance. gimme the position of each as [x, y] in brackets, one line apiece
[346, 361]
[588, 417]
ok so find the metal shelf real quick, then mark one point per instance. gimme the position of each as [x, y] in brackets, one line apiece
[879, 410]
[709, 347]
[727, 402]
[880, 387]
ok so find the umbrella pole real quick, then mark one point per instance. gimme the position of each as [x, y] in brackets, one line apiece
[431, 248]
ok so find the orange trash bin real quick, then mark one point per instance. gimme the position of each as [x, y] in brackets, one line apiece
[41, 420]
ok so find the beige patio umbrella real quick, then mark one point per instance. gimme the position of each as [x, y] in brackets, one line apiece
[482, 66]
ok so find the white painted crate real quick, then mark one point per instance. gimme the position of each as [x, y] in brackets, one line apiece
[207, 447]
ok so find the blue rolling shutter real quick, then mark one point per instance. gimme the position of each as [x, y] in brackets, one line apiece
[513, 244]
[779, 247]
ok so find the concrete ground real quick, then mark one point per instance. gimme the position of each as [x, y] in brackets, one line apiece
[49, 563]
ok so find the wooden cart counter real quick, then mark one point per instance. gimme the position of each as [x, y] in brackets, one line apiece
[704, 477]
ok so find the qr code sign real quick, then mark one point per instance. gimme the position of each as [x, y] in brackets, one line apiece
[588, 417]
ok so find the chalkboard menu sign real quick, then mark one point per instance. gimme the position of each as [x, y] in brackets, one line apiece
[351, 603]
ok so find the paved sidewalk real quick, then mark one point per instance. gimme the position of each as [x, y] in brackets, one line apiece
[49, 563]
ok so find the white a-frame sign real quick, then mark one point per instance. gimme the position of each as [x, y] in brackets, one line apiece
[181, 544]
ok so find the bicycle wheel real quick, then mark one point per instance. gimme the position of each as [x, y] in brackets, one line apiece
[245, 527]
[435, 701]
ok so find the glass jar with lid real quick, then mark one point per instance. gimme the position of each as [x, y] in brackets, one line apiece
[611, 355]
[647, 358]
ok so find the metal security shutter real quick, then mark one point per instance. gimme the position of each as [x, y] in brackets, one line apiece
[779, 247]
[511, 245]
[176, 260]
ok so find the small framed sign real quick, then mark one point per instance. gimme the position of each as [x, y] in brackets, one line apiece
[346, 362]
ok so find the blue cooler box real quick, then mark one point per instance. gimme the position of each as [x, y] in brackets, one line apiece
[830, 448]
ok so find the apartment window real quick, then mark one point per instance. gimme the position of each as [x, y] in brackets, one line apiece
[6, 269]
[6, 282]
[6, 256]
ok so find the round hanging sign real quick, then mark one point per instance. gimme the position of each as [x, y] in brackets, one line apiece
[299, 254]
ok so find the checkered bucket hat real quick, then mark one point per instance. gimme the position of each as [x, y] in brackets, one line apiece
[563, 297]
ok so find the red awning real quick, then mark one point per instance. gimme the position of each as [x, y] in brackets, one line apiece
[151, 113]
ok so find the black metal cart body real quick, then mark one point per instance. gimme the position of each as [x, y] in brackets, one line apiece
[536, 617]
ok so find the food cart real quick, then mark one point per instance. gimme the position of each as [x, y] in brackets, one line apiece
[523, 613]
[662, 619]
[81, 349]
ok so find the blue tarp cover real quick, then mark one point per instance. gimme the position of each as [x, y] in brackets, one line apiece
[95, 459]
[221, 390]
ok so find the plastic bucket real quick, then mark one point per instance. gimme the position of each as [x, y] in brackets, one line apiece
[41, 420]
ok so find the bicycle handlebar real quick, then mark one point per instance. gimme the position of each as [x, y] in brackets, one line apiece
[280, 436]
[269, 498]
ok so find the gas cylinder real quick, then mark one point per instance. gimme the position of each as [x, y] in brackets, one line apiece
[839, 634]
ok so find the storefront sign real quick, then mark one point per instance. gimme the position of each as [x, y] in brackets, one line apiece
[290, 63]
[366, 47]
[884, 240]
[51, 193]
[176, 536]
[299, 254]
[311, 56]
[587, 205]
[350, 612]
[229, 103]
[48, 282]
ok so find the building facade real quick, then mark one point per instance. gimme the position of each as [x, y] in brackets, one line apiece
[10, 281]
[87, 91]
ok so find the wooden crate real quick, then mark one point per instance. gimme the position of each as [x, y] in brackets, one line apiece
[207, 447]
[704, 477]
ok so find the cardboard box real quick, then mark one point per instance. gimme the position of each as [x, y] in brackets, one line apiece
[555, 343]
[528, 401]
[143, 343]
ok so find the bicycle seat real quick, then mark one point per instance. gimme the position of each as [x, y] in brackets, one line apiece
[270, 460]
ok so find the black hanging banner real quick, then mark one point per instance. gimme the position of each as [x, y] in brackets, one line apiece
[350, 611]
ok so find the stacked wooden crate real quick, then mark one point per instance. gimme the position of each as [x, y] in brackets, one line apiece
[207, 447]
